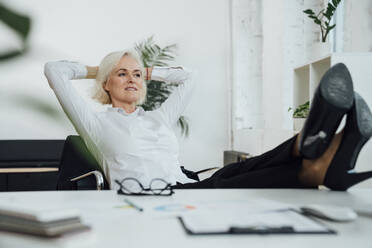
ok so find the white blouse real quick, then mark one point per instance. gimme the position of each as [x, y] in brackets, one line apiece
[141, 144]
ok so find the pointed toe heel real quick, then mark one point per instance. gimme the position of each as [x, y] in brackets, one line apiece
[350, 179]
[332, 99]
[357, 131]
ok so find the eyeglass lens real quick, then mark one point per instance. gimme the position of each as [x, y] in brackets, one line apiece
[131, 185]
[157, 186]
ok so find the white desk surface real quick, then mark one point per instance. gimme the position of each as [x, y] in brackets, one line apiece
[126, 227]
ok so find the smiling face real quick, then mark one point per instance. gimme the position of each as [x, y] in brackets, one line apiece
[125, 83]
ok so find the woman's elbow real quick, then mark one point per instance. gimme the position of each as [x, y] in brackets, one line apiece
[53, 72]
[49, 68]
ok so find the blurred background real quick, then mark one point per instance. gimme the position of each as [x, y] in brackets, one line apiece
[243, 51]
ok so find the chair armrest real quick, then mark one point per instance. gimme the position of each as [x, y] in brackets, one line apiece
[195, 174]
[207, 170]
[204, 174]
[98, 176]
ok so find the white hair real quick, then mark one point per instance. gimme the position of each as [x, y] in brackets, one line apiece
[106, 66]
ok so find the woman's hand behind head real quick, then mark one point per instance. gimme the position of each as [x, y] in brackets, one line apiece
[92, 71]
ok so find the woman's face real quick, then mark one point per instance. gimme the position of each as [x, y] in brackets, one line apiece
[125, 82]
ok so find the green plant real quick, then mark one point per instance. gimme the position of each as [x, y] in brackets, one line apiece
[20, 24]
[157, 92]
[323, 18]
[301, 111]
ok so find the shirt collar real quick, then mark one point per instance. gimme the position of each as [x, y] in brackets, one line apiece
[137, 112]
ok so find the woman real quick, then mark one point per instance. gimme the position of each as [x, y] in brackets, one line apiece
[130, 142]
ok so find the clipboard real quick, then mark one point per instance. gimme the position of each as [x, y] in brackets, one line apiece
[266, 223]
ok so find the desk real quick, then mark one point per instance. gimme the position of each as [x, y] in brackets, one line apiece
[116, 227]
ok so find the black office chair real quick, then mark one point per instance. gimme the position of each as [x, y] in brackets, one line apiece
[78, 169]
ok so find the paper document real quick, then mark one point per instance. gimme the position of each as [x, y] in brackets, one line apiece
[208, 224]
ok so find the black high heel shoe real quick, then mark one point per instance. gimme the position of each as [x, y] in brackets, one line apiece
[357, 131]
[332, 99]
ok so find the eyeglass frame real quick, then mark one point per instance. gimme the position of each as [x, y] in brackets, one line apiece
[143, 189]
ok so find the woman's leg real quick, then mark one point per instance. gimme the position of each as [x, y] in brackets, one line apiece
[285, 176]
[313, 171]
[278, 168]
[284, 154]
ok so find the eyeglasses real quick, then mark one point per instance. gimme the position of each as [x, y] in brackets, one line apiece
[131, 186]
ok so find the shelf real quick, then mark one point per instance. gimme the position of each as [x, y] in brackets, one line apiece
[307, 78]
[308, 75]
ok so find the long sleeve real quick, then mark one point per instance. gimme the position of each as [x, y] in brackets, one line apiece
[177, 102]
[80, 114]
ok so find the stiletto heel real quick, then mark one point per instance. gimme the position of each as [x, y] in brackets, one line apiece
[357, 132]
[332, 99]
[350, 179]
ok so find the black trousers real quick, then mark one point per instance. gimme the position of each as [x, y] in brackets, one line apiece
[277, 168]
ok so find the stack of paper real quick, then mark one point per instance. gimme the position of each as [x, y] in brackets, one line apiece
[41, 222]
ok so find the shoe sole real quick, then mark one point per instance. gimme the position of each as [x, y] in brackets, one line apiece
[336, 87]
[364, 116]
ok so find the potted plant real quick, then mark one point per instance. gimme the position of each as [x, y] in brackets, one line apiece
[323, 20]
[157, 92]
[299, 115]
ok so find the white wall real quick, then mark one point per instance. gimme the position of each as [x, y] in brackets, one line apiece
[247, 66]
[87, 30]
[282, 37]
[287, 37]
[358, 26]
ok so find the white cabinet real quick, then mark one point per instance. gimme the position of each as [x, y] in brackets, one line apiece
[307, 78]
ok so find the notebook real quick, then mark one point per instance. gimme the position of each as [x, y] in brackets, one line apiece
[42, 222]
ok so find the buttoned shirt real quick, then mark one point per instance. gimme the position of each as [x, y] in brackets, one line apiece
[141, 144]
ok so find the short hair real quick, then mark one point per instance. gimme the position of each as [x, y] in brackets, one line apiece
[106, 66]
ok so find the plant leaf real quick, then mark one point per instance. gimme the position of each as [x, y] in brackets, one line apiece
[331, 27]
[17, 22]
[302, 111]
[20, 24]
[182, 122]
[309, 12]
[329, 17]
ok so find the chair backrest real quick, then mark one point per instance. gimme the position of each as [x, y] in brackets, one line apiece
[77, 160]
